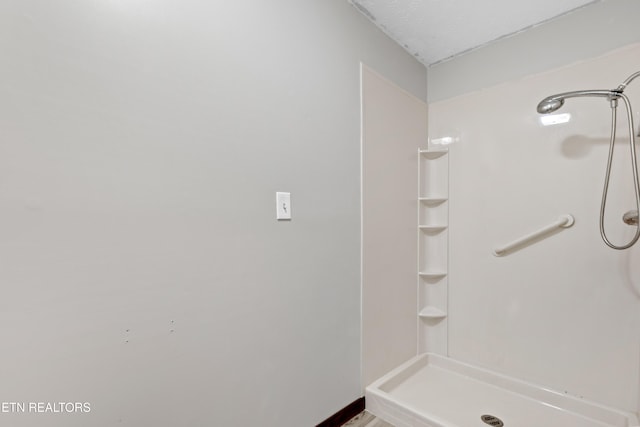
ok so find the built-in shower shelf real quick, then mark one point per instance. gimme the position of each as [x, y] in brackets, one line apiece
[433, 228]
[433, 154]
[433, 200]
[432, 313]
[432, 274]
[433, 220]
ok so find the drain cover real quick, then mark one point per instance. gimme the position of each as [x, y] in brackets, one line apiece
[492, 421]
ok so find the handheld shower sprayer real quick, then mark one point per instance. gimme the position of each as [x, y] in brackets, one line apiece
[550, 104]
[555, 102]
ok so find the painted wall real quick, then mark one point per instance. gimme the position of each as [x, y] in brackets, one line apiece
[394, 126]
[143, 270]
[563, 312]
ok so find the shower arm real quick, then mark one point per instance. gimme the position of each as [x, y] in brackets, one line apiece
[612, 94]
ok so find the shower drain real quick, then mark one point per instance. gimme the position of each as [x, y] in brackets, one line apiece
[492, 421]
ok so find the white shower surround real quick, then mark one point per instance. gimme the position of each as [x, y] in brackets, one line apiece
[559, 315]
[564, 312]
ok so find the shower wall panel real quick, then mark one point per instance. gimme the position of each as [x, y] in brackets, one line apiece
[394, 126]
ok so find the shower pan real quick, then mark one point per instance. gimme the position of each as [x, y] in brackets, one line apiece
[435, 391]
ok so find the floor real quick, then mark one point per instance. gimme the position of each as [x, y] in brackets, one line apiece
[365, 419]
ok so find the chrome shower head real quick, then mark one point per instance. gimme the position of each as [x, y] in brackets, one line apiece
[550, 104]
[554, 102]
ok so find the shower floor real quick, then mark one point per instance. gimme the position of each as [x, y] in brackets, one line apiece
[435, 391]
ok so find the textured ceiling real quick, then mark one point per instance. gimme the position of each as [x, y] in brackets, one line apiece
[434, 30]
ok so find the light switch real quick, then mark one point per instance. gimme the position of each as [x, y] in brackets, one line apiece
[283, 205]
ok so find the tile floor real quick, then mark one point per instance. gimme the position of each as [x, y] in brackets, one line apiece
[365, 419]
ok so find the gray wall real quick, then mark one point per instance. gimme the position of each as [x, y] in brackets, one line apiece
[143, 270]
[587, 32]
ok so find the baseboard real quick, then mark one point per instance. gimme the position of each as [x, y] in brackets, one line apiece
[344, 414]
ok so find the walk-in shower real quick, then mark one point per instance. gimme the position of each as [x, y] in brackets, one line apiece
[554, 102]
[495, 349]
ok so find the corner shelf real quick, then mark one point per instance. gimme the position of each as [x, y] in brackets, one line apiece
[433, 238]
[432, 274]
[433, 154]
[432, 228]
[432, 313]
[433, 200]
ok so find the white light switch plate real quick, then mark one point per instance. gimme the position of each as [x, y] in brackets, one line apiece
[283, 205]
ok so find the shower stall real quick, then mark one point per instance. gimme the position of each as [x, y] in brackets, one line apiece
[543, 330]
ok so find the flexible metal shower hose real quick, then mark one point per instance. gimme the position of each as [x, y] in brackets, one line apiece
[634, 166]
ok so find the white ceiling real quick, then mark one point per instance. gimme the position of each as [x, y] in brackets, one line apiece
[434, 30]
